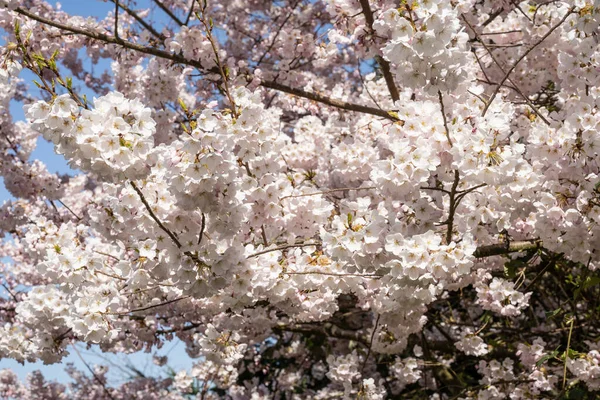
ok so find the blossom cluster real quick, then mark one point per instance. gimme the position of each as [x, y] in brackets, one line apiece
[501, 296]
[426, 45]
[112, 140]
[324, 199]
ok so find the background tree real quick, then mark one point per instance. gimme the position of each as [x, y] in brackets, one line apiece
[321, 199]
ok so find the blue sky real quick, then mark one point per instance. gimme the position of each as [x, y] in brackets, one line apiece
[178, 359]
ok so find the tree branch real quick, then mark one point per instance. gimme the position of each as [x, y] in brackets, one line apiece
[444, 116]
[108, 393]
[385, 65]
[329, 101]
[529, 50]
[327, 192]
[260, 60]
[513, 87]
[507, 248]
[326, 329]
[154, 217]
[173, 237]
[285, 247]
[151, 306]
[139, 19]
[453, 206]
[168, 12]
[116, 33]
[179, 59]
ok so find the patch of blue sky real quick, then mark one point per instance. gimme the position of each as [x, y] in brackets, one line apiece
[119, 364]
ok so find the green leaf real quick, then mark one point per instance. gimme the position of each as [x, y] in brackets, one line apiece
[573, 354]
[590, 281]
[486, 318]
[52, 64]
[512, 267]
[182, 105]
[125, 143]
[553, 314]
[546, 357]
[394, 114]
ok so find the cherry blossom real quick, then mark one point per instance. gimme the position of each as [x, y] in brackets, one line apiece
[319, 199]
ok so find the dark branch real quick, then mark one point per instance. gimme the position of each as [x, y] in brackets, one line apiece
[139, 19]
[331, 102]
[181, 60]
[169, 13]
[385, 66]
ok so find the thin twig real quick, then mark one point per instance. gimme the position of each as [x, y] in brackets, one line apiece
[370, 343]
[366, 87]
[110, 396]
[172, 330]
[208, 27]
[71, 211]
[469, 190]
[478, 96]
[444, 115]
[54, 207]
[154, 217]
[374, 276]
[513, 87]
[550, 263]
[326, 192]
[501, 33]
[9, 292]
[108, 255]
[463, 193]
[260, 60]
[327, 329]
[564, 383]
[529, 50]
[190, 13]
[197, 64]
[500, 46]
[150, 307]
[446, 335]
[109, 275]
[287, 246]
[168, 12]
[492, 17]
[139, 19]
[435, 189]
